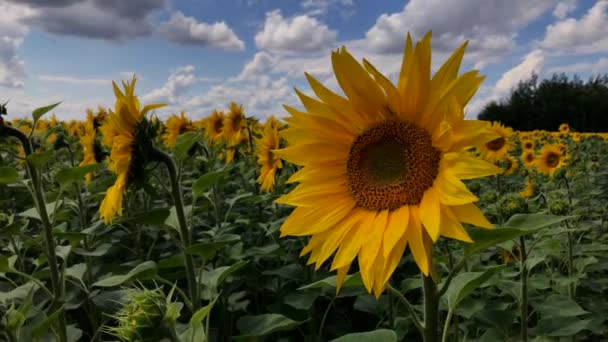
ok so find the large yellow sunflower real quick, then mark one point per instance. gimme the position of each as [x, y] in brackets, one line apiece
[234, 124]
[175, 126]
[528, 158]
[382, 168]
[214, 127]
[87, 140]
[550, 160]
[497, 149]
[266, 158]
[122, 126]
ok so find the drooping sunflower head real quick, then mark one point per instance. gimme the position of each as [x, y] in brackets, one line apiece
[176, 125]
[498, 149]
[527, 158]
[511, 165]
[564, 128]
[267, 159]
[382, 167]
[214, 125]
[550, 160]
[273, 123]
[527, 144]
[530, 190]
[130, 137]
[234, 124]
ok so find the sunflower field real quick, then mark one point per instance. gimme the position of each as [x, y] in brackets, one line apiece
[379, 214]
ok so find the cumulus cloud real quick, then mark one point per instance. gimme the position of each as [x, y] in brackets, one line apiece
[321, 7]
[298, 34]
[531, 63]
[74, 80]
[12, 33]
[179, 82]
[596, 67]
[586, 35]
[101, 19]
[562, 9]
[188, 31]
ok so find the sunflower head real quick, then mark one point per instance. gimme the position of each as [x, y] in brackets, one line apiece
[234, 124]
[214, 125]
[528, 158]
[550, 160]
[267, 159]
[564, 128]
[511, 165]
[176, 125]
[498, 148]
[511, 204]
[383, 166]
[531, 189]
[527, 144]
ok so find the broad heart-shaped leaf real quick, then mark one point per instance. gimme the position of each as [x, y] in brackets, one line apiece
[18, 292]
[214, 278]
[172, 220]
[184, 142]
[9, 175]
[518, 225]
[65, 177]
[40, 158]
[559, 306]
[207, 250]
[201, 185]
[562, 326]
[380, 335]
[39, 112]
[195, 331]
[330, 282]
[266, 324]
[465, 283]
[45, 325]
[33, 212]
[145, 270]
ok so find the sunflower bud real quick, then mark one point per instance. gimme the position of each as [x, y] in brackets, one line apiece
[559, 173]
[474, 187]
[489, 196]
[558, 207]
[512, 204]
[524, 172]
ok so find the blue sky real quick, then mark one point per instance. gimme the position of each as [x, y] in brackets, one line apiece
[198, 55]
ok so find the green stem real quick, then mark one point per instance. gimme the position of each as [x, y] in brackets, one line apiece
[431, 309]
[176, 192]
[49, 239]
[524, 290]
[571, 287]
[446, 326]
[325, 317]
[408, 306]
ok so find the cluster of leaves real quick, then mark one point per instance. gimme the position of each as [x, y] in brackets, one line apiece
[254, 285]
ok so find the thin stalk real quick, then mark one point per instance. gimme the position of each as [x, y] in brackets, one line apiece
[571, 286]
[524, 290]
[446, 326]
[431, 309]
[49, 239]
[176, 193]
[325, 317]
[408, 306]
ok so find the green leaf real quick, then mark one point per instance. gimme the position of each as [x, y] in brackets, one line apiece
[207, 250]
[465, 283]
[533, 221]
[201, 185]
[172, 220]
[151, 217]
[33, 212]
[145, 270]
[18, 292]
[40, 158]
[562, 326]
[100, 250]
[9, 175]
[266, 324]
[195, 331]
[65, 177]
[214, 278]
[301, 300]
[559, 306]
[330, 282]
[184, 142]
[4, 265]
[45, 326]
[39, 112]
[380, 335]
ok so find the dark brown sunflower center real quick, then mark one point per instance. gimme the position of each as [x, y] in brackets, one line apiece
[391, 165]
[528, 145]
[496, 144]
[529, 157]
[218, 125]
[552, 159]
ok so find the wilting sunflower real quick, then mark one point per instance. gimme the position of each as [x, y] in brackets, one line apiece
[126, 125]
[382, 168]
[176, 125]
[234, 124]
[266, 158]
[497, 149]
[527, 144]
[528, 158]
[550, 160]
[511, 165]
[87, 140]
[564, 128]
[214, 127]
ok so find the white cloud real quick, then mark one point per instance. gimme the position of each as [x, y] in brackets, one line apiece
[179, 82]
[562, 9]
[12, 33]
[188, 31]
[588, 34]
[321, 7]
[531, 63]
[293, 35]
[74, 80]
[597, 67]
[262, 63]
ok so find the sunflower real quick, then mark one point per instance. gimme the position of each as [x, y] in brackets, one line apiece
[528, 158]
[564, 128]
[214, 127]
[125, 124]
[497, 149]
[563, 149]
[382, 168]
[527, 144]
[576, 137]
[530, 189]
[550, 160]
[87, 140]
[266, 158]
[511, 165]
[176, 125]
[234, 124]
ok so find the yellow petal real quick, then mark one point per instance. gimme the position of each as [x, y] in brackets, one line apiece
[451, 190]
[469, 213]
[395, 229]
[414, 238]
[429, 213]
[451, 228]
[369, 250]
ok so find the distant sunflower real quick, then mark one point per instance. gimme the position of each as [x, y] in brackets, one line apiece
[382, 168]
[497, 149]
[576, 137]
[176, 125]
[550, 160]
[563, 149]
[527, 144]
[234, 125]
[511, 166]
[564, 128]
[528, 158]
[530, 190]
[87, 140]
[214, 127]
[126, 124]
[266, 157]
